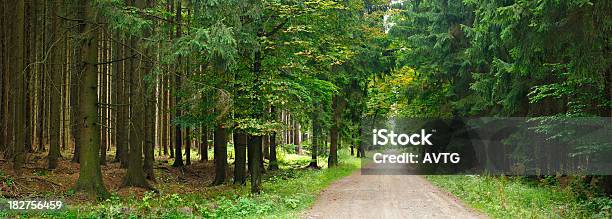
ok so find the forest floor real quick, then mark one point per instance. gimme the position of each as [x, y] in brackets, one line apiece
[39, 182]
[387, 196]
[183, 192]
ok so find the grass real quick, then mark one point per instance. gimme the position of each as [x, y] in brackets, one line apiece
[286, 193]
[503, 197]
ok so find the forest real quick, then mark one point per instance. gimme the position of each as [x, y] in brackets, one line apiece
[232, 108]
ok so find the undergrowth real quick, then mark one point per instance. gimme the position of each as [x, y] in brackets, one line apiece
[285, 194]
[504, 197]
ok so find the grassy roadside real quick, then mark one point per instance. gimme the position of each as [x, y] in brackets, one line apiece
[285, 194]
[502, 197]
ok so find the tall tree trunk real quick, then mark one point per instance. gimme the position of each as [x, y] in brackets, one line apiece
[40, 44]
[164, 118]
[19, 80]
[240, 147]
[102, 97]
[90, 177]
[338, 107]
[316, 132]
[262, 165]
[148, 102]
[266, 146]
[75, 75]
[204, 144]
[170, 117]
[149, 150]
[188, 141]
[120, 102]
[5, 67]
[77, 150]
[282, 121]
[65, 96]
[135, 175]
[360, 148]
[178, 156]
[255, 168]
[220, 153]
[178, 141]
[28, 71]
[157, 112]
[296, 136]
[149, 153]
[332, 160]
[254, 152]
[290, 131]
[273, 159]
[55, 80]
[2, 76]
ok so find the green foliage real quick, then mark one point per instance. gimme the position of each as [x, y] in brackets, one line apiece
[7, 183]
[509, 58]
[502, 197]
[236, 59]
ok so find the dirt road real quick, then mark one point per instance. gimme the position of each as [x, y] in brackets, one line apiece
[387, 196]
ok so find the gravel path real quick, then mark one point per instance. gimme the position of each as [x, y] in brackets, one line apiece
[387, 196]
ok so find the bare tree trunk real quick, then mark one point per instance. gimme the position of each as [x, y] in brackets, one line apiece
[332, 160]
[188, 142]
[122, 110]
[2, 76]
[148, 102]
[296, 136]
[28, 71]
[156, 113]
[204, 144]
[90, 177]
[54, 81]
[361, 150]
[135, 175]
[5, 67]
[178, 156]
[149, 152]
[41, 29]
[316, 132]
[74, 95]
[273, 159]
[266, 146]
[338, 107]
[255, 168]
[18, 91]
[290, 131]
[240, 156]
[164, 116]
[65, 96]
[170, 117]
[220, 144]
[102, 97]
